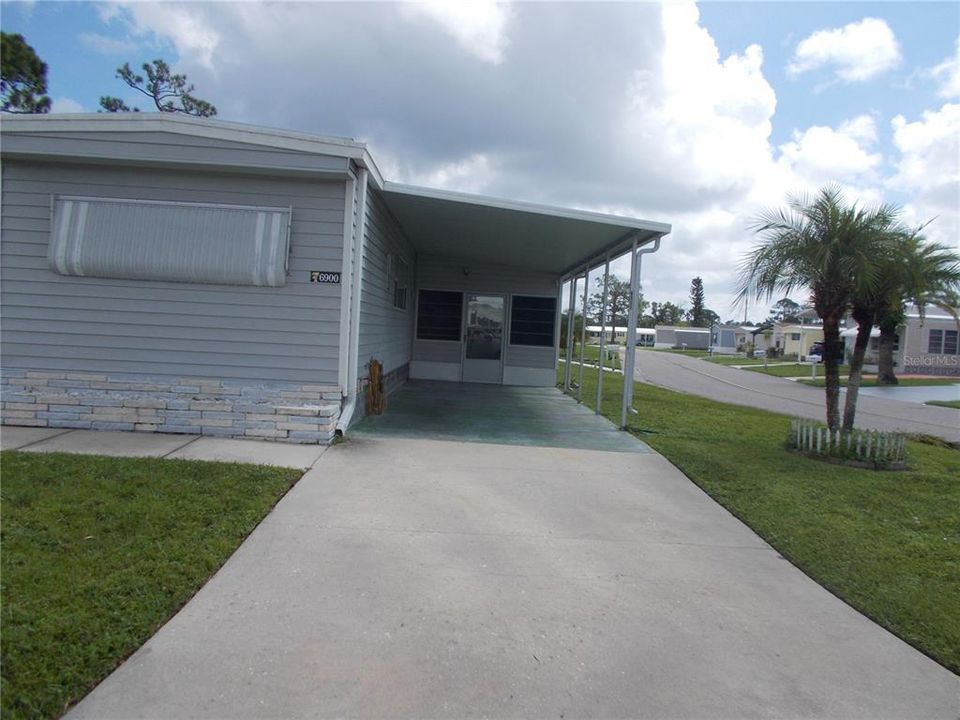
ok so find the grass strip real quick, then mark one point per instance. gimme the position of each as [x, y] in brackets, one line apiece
[944, 403]
[870, 381]
[794, 370]
[591, 354]
[888, 543]
[99, 552]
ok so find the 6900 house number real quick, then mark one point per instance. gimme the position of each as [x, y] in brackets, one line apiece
[322, 276]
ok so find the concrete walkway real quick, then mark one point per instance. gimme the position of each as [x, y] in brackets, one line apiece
[174, 447]
[753, 389]
[420, 578]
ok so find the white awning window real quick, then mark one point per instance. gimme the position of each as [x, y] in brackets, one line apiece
[174, 242]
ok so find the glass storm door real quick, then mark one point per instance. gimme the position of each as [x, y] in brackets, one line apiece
[483, 339]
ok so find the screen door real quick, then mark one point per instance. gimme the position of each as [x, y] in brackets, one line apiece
[483, 339]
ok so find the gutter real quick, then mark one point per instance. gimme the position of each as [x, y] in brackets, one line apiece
[356, 284]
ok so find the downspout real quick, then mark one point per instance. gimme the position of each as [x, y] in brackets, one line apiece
[630, 357]
[356, 283]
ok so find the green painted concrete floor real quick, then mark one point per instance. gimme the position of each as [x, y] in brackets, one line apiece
[464, 412]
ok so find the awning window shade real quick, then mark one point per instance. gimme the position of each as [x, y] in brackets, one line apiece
[174, 242]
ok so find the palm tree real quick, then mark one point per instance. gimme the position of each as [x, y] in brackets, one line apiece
[828, 246]
[928, 274]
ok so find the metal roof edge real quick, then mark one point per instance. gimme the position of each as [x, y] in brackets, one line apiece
[522, 206]
[197, 127]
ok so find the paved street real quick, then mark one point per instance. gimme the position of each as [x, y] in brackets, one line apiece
[752, 389]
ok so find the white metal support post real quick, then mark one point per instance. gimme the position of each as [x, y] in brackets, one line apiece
[583, 334]
[630, 360]
[568, 365]
[603, 332]
[631, 351]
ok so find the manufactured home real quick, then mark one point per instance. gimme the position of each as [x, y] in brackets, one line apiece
[645, 336]
[676, 336]
[927, 344]
[171, 274]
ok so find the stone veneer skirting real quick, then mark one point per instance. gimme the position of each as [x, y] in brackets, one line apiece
[285, 412]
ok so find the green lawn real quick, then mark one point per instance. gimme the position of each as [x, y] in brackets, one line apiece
[870, 381]
[591, 353]
[945, 403]
[793, 370]
[99, 552]
[888, 543]
[688, 353]
[734, 360]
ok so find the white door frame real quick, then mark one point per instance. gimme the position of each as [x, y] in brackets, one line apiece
[464, 375]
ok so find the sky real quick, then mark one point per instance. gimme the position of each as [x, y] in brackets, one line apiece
[698, 115]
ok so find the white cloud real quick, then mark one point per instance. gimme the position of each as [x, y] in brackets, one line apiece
[823, 154]
[107, 45]
[858, 51]
[184, 25]
[479, 26]
[65, 105]
[948, 74]
[928, 169]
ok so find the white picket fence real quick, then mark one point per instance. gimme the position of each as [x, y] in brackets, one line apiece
[882, 449]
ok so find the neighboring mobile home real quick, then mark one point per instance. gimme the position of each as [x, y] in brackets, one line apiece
[675, 336]
[645, 336]
[164, 273]
[796, 340]
[923, 346]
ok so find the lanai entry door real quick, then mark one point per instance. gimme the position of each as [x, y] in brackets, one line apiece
[483, 338]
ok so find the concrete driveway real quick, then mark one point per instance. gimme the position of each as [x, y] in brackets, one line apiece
[421, 578]
[752, 389]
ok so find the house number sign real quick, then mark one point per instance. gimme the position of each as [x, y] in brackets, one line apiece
[322, 276]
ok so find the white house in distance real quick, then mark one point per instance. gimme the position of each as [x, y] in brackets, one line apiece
[172, 274]
[924, 346]
[645, 336]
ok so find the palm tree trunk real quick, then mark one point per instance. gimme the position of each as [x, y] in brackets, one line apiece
[856, 373]
[832, 354]
[885, 364]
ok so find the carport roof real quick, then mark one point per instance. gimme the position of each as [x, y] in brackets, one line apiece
[507, 232]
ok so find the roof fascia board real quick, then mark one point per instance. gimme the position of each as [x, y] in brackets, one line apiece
[249, 168]
[501, 204]
[164, 122]
[366, 161]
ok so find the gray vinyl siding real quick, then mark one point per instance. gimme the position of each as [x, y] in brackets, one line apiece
[439, 273]
[169, 148]
[666, 335]
[385, 331]
[267, 334]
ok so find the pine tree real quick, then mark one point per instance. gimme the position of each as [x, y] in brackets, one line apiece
[696, 315]
[23, 77]
[169, 92]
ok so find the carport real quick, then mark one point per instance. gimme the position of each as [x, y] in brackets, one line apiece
[503, 415]
[492, 278]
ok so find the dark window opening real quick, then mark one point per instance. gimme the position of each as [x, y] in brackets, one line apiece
[439, 315]
[532, 321]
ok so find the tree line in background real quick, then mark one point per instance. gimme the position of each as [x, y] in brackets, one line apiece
[649, 314]
[855, 261]
[23, 84]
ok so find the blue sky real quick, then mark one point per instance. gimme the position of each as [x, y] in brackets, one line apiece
[684, 113]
